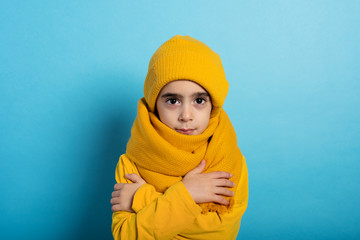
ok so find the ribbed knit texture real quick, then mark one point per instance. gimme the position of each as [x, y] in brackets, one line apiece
[163, 156]
[183, 57]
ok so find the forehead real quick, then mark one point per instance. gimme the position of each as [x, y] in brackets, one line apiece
[183, 87]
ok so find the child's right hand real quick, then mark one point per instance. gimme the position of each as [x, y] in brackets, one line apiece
[123, 195]
[208, 187]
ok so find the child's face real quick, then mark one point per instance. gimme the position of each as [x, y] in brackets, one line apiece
[184, 106]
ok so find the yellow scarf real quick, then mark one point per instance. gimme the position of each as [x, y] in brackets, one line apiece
[163, 156]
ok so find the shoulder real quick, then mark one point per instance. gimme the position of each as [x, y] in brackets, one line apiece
[125, 166]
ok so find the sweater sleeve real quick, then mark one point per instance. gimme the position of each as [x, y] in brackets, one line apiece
[152, 218]
[174, 214]
[222, 226]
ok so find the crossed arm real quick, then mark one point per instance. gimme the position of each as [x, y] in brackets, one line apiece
[203, 188]
[142, 213]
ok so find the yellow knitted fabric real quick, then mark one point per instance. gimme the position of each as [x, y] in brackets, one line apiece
[162, 155]
[183, 57]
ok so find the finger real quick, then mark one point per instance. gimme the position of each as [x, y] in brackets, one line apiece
[199, 168]
[114, 201]
[220, 200]
[119, 207]
[218, 174]
[134, 178]
[222, 182]
[224, 192]
[115, 194]
[116, 208]
[118, 186]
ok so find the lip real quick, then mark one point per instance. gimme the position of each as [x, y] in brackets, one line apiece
[185, 131]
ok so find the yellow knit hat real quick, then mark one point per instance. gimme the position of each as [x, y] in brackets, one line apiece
[185, 58]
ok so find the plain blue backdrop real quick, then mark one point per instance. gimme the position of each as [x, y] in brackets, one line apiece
[72, 71]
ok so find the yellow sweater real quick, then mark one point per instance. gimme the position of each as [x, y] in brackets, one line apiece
[174, 214]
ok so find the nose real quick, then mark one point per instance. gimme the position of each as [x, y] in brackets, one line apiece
[186, 114]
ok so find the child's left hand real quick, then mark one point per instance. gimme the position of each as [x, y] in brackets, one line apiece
[122, 197]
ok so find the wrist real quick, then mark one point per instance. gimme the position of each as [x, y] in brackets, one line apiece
[144, 195]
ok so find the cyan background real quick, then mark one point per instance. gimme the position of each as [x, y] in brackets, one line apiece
[72, 71]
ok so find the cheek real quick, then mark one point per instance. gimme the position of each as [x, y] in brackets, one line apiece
[167, 117]
[206, 122]
[162, 115]
[204, 119]
[160, 111]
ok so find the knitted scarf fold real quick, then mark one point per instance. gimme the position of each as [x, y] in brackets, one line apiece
[163, 156]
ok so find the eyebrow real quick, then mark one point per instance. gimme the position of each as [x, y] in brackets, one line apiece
[179, 96]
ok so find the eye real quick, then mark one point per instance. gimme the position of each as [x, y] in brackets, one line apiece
[172, 101]
[200, 101]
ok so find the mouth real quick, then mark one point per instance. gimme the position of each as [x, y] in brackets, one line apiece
[185, 131]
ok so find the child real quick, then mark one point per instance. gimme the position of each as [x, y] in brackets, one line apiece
[183, 175]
